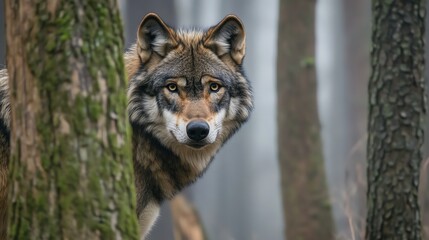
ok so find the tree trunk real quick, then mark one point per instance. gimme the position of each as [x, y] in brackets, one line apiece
[71, 169]
[305, 196]
[396, 120]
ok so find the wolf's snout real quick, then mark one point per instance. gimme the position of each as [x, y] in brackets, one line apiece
[197, 130]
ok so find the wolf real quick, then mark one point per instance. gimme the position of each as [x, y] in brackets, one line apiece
[187, 95]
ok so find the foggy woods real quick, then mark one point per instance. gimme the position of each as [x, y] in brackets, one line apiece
[336, 146]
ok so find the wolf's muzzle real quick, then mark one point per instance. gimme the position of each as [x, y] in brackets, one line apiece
[197, 130]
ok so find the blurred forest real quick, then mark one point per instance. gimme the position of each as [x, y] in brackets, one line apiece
[240, 196]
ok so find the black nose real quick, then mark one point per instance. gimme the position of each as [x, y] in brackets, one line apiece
[197, 130]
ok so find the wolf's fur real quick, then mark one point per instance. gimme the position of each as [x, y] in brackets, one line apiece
[4, 149]
[205, 68]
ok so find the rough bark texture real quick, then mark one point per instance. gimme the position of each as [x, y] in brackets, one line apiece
[71, 169]
[396, 118]
[305, 196]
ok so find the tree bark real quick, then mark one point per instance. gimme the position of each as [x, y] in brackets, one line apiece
[305, 197]
[396, 119]
[71, 173]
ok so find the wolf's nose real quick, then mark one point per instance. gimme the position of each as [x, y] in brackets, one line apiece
[197, 130]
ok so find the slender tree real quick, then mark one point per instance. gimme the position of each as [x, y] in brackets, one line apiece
[305, 197]
[396, 119]
[70, 169]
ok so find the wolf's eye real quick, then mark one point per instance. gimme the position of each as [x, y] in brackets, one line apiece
[214, 87]
[172, 87]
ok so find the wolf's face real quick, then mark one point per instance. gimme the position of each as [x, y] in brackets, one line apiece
[193, 111]
[187, 88]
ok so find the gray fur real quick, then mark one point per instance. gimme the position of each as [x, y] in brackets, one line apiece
[4, 98]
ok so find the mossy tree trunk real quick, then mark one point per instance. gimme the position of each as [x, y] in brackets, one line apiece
[71, 173]
[396, 119]
[305, 196]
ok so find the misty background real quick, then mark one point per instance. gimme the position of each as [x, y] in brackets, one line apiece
[239, 197]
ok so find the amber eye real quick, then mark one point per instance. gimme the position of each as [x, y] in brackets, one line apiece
[172, 87]
[214, 87]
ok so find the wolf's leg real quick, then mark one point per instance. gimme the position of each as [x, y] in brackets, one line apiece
[147, 218]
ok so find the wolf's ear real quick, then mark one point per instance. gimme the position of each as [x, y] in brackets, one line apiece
[227, 37]
[154, 36]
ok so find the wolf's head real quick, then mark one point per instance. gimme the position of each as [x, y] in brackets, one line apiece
[187, 87]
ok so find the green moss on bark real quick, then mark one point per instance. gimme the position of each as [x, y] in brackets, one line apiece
[83, 187]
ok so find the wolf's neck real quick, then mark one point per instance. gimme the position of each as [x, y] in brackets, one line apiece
[159, 172]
